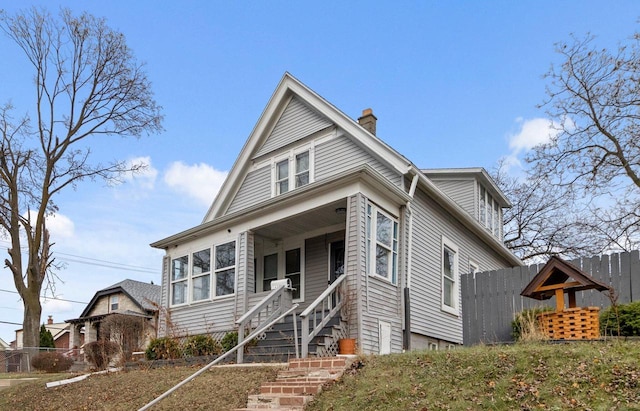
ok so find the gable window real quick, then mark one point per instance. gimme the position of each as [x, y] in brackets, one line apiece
[449, 277]
[382, 244]
[114, 302]
[292, 171]
[179, 267]
[201, 275]
[282, 177]
[225, 268]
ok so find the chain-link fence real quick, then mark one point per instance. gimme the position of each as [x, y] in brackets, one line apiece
[19, 360]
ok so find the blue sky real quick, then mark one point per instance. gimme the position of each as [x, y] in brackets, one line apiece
[453, 84]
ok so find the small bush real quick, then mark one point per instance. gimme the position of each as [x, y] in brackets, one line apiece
[524, 326]
[162, 349]
[199, 345]
[51, 362]
[622, 320]
[100, 353]
[229, 340]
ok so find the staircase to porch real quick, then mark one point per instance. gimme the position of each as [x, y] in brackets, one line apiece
[277, 343]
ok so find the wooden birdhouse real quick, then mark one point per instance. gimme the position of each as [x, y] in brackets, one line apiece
[556, 279]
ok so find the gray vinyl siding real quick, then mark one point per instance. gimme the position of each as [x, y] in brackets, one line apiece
[164, 297]
[460, 191]
[205, 317]
[317, 265]
[244, 272]
[355, 265]
[255, 188]
[297, 121]
[371, 333]
[337, 155]
[430, 223]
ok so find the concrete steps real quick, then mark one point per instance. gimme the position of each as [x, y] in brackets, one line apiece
[296, 386]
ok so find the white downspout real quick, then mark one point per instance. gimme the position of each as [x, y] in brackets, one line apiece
[412, 191]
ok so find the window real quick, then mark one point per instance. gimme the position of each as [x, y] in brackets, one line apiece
[201, 275]
[292, 172]
[114, 302]
[179, 268]
[282, 177]
[225, 269]
[292, 271]
[490, 213]
[270, 271]
[382, 244]
[449, 277]
[302, 169]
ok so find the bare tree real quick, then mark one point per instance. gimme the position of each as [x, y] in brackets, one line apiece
[545, 219]
[87, 84]
[594, 96]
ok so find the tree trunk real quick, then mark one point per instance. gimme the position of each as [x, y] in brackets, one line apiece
[31, 327]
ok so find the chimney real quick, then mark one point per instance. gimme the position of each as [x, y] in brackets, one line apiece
[368, 121]
[50, 320]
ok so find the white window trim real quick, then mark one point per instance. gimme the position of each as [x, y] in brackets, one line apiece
[371, 250]
[212, 275]
[455, 310]
[290, 155]
[214, 271]
[281, 251]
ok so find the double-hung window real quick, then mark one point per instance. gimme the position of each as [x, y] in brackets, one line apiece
[114, 302]
[292, 172]
[293, 271]
[179, 270]
[449, 277]
[201, 275]
[225, 268]
[382, 244]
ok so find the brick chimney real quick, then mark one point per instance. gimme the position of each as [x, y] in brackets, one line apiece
[368, 121]
[50, 320]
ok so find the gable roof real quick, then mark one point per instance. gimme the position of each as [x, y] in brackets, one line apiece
[557, 271]
[478, 173]
[291, 98]
[272, 121]
[142, 294]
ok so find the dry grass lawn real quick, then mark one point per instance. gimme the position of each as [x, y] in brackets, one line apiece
[218, 389]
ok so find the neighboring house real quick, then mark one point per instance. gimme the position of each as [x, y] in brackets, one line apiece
[4, 346]
[315, 196]
[128, 297]
[59, 331]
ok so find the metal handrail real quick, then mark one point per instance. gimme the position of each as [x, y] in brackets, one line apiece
[326, 301]
[217, 360]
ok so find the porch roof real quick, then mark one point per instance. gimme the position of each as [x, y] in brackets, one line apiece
[364, 173]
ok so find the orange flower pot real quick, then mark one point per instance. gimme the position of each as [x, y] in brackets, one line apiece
[347, 346]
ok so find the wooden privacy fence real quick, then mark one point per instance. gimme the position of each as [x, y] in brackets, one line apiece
[491, 299]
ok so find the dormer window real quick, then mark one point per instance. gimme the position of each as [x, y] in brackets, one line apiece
[292, 170]
[489, 212]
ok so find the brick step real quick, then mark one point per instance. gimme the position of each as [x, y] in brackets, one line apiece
[277, 400]
[291, 388]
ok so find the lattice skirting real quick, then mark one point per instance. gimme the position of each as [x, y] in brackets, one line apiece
[330, 346]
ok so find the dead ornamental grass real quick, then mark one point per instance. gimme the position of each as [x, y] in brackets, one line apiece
[217, 389]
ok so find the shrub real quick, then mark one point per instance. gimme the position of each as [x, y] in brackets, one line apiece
[51, 362]
[621, 320]
[524, 326]
[162, 349]
[229, 340]
[199, 345]
[100, 353]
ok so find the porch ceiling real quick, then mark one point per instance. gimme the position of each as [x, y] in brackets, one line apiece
[311, 220]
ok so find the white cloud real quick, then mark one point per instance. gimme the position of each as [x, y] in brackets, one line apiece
[60, 226]
[145, 178]
[198, 181]
[530, 134]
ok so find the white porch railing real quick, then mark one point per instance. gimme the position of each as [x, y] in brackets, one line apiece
[272, 306]
[318, 314]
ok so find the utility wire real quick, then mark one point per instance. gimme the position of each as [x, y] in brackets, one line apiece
[47, 298]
